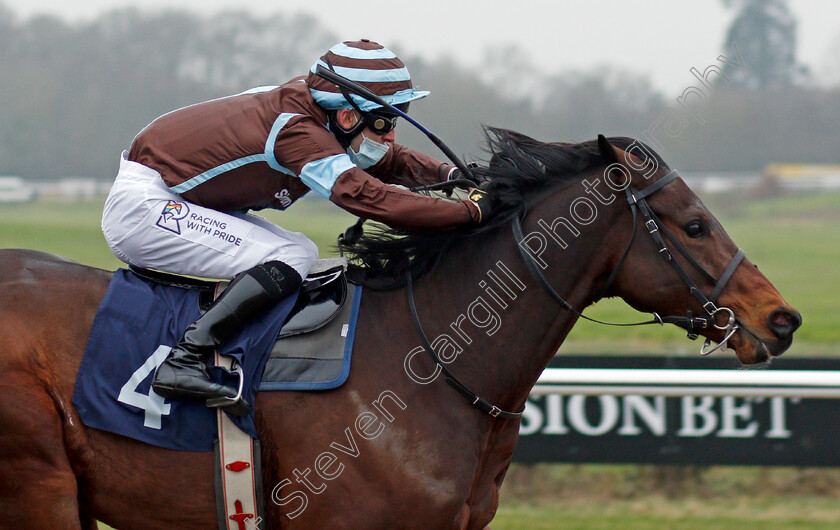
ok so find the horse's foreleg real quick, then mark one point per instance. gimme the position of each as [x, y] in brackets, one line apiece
[37, 485]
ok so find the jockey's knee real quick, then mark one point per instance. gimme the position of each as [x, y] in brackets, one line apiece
[311, 249]
[300, 257]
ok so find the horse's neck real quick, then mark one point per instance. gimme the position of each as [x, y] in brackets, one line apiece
[489, 304]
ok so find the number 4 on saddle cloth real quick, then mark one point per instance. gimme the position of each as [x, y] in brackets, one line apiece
[303, 343]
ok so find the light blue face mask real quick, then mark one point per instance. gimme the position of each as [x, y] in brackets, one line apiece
[370, 152]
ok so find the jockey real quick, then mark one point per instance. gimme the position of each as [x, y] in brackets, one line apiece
[180, 201]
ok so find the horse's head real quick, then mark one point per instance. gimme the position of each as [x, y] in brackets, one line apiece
[705, 285]
[681, 260]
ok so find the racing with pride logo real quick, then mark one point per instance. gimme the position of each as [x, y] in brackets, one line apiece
[172, 213]
[201, 225]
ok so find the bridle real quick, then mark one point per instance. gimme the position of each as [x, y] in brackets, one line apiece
[637, 199]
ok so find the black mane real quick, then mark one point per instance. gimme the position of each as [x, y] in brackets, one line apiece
[519, 166]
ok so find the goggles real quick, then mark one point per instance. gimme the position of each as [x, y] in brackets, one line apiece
[381, 123]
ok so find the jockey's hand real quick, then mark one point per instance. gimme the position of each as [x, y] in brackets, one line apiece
[484, 202]
[457, 174]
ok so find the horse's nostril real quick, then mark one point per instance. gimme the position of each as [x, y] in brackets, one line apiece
[780, 320]
[783, 322]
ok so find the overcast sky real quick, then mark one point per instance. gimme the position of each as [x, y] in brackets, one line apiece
[659, 38]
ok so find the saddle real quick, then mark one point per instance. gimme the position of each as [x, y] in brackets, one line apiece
[312, 351]
[320, 300]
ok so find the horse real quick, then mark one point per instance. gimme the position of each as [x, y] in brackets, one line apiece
[395, 446]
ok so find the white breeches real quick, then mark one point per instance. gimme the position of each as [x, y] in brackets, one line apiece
[148, 226]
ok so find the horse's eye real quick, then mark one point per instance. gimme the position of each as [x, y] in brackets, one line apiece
[694, 229]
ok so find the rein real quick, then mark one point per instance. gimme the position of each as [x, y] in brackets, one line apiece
[635, 198]
[638, 205]
[477, 401]
[354, 232]
[692, 324]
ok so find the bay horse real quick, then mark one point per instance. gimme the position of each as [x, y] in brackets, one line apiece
[394, 447]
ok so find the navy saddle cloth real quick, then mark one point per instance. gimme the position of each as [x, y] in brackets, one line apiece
[139, 320]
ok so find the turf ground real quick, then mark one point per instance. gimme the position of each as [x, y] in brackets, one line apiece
[795, 241]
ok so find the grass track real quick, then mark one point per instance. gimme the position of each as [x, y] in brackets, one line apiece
[655, 513]
[794, 240]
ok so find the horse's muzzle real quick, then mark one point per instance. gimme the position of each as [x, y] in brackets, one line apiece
[783, 322]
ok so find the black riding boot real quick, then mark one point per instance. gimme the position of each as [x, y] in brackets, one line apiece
[183, 375]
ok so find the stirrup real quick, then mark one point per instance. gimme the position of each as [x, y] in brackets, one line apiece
[235, 405]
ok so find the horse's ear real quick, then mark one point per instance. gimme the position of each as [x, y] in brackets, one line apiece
[607, 150]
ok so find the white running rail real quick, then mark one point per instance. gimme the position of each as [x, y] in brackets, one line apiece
[820, 384]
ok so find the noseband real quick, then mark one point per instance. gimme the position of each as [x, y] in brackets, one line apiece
[637, 199]
[692, 324]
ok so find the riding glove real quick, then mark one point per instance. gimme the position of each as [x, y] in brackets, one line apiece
[483, 201]
[457, 174]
